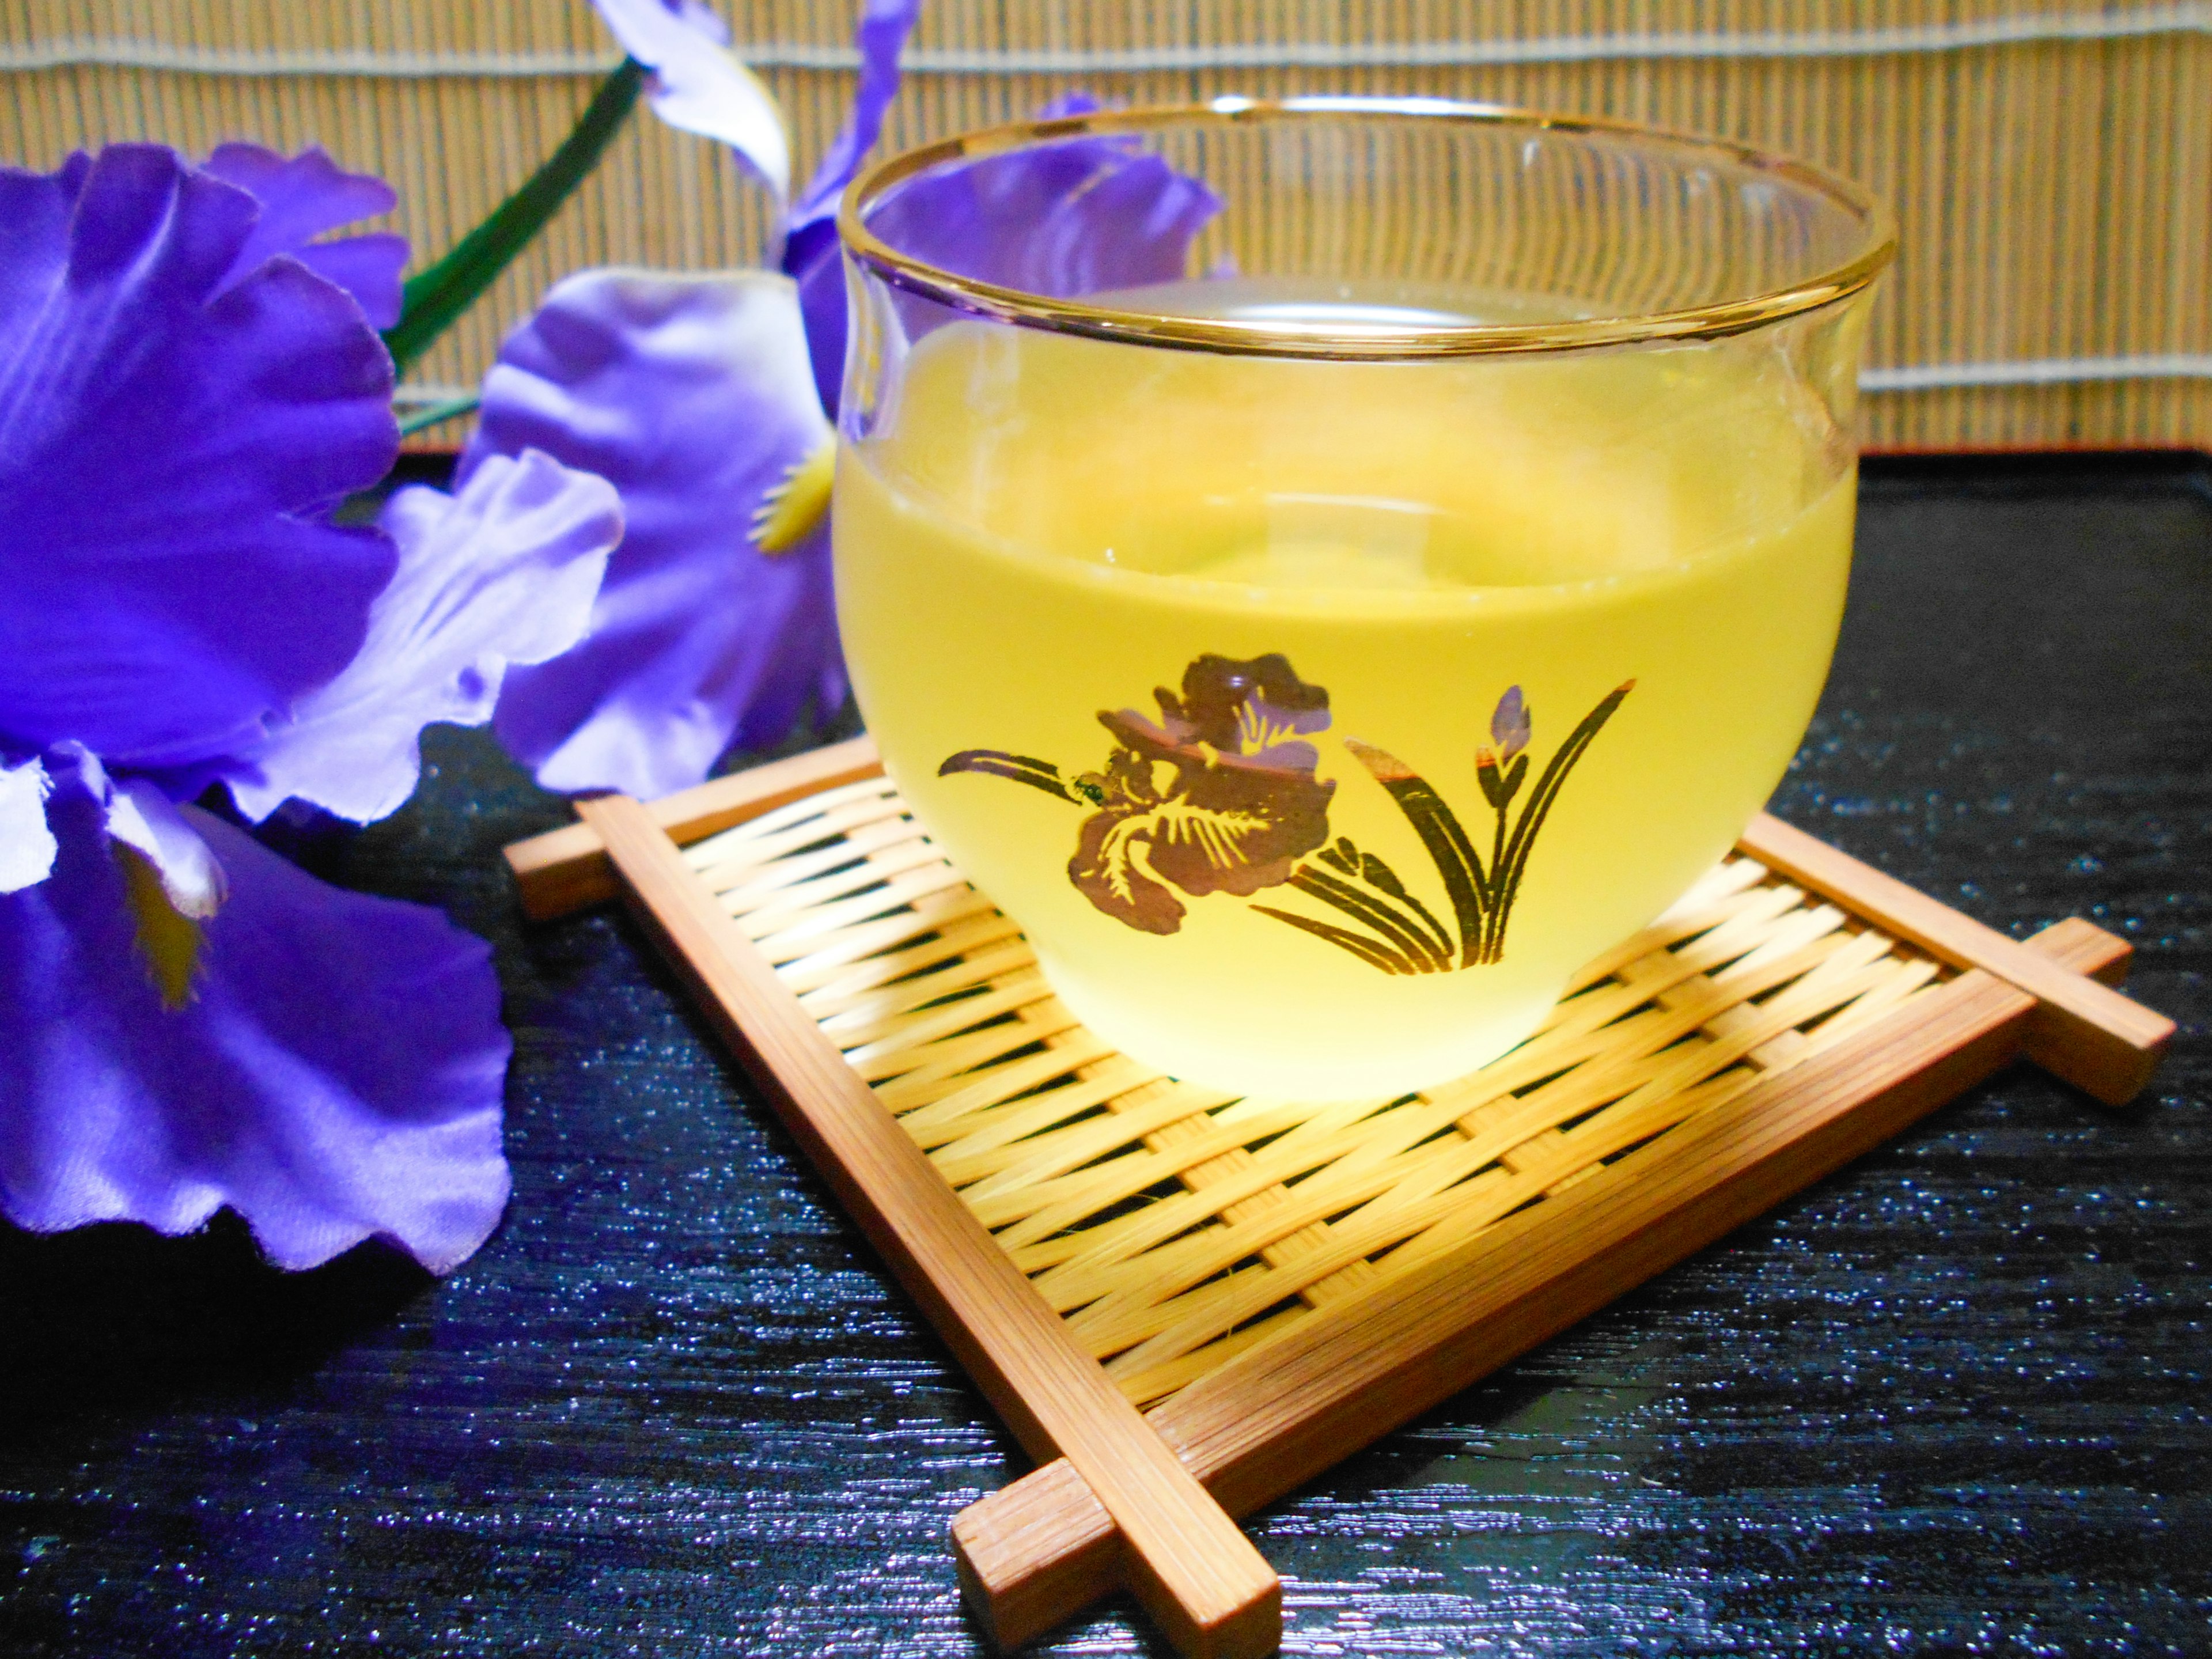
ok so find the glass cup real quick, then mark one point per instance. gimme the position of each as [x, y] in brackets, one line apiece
[1325, 637]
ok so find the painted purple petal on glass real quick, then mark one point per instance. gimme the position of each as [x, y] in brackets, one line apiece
[810, 247]
[166, 579]
[305, 196]
[504, 572]
[26, 845]
[698, 87]
[1240, 705]
[1509, 725]
[1218, 821]
[692, 395]
[336, 1076]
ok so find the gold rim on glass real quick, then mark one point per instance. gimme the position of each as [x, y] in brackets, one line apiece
[1278, 338]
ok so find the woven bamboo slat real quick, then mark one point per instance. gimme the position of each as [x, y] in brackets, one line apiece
[2051, 164]
[1275, 1281]
[1171, 1227]
[1035, 1552]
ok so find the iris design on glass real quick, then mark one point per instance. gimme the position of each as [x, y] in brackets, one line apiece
[1218, 795]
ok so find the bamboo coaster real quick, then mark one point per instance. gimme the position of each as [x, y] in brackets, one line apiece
[1273, 1284]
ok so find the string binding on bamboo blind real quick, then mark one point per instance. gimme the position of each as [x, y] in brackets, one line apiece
[1174, 1227]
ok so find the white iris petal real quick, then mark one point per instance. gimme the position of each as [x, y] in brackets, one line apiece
[144, 819]
[698, 87]
[26, 845]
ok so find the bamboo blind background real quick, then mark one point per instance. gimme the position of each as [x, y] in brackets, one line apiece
[2051, 166]
[1623, 231]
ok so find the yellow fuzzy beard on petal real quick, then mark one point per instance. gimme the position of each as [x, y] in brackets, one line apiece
[794, 507]
[170, 942]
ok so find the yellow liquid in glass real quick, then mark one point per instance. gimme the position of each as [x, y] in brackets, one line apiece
[1042, 530]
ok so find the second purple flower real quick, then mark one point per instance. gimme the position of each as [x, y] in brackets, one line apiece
[707, 399]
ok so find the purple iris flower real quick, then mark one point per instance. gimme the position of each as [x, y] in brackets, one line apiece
[810, 255]
[709, 400]
[189, 382]
[691, 394]
[302, 198]
[696, 86]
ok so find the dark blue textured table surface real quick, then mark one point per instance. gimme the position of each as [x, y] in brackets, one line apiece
[1954, 1399]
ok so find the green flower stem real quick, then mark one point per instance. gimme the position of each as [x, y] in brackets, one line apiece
[435, 297]
[431, 415]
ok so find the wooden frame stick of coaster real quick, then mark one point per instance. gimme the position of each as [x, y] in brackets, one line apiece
[1034, 1554]
[1752, 1042]
[1196, 1573]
